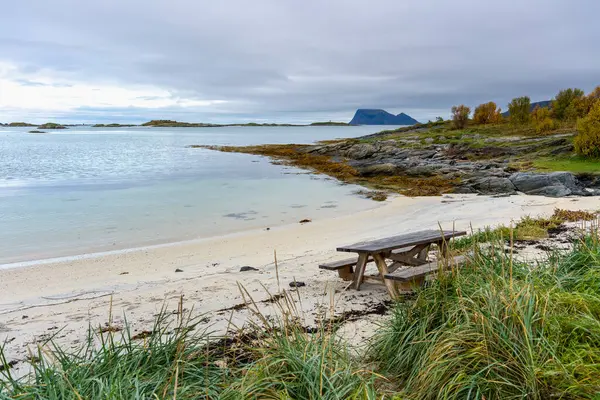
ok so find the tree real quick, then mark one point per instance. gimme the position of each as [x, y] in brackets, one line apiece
[567, 104]
[542, 119]
[519, 109]
[587, 141]
[439, 119]
[487, 113]
[460, 116]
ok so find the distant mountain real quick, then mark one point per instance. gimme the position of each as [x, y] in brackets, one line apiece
[381, 117]
[541, 104]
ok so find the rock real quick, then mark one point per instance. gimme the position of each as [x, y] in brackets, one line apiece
[493, 185]
[247, 268]
[378, 169]
[420, 170]
[555, 184]
[178, 270]
[360, 151]
[297, 284]
[305, 221]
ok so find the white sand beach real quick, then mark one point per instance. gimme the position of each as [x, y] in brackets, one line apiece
[63, 298]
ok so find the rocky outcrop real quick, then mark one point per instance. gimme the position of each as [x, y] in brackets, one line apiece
[555, 184]
[488, 177]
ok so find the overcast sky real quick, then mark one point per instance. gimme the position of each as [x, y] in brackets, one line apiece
[284, 60]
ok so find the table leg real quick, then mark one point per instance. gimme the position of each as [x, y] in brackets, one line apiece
[423, 253]
[359, 271]
[383, 270]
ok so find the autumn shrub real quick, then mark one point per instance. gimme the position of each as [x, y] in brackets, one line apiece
[460, 116]
[542, 120]
[587, 141]
[487, 113]
[519, 110]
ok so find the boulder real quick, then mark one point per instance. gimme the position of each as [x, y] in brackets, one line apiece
[555, 184]
[360, 151]
[493, 185]
[421, 170]
[378, 169]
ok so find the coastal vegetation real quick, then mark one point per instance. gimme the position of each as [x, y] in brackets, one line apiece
[497, 328]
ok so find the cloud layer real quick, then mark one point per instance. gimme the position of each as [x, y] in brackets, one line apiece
[273, 60]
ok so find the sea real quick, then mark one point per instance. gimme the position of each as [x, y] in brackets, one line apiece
[86, 190]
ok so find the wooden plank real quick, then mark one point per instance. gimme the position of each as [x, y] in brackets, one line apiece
[360, 270]
[395, 242]
[335, 265]
[383, 271]
[351, 262]
[418, 272]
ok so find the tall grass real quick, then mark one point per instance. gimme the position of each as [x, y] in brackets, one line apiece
[176, 360]
[500, 329]
[495, 329]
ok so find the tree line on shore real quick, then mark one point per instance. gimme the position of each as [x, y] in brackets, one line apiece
[569, 107]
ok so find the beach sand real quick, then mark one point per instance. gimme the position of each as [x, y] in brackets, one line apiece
[62, 299]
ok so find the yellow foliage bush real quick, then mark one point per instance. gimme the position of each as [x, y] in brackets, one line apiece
[487, 113]
[542, 120]
[587, 141]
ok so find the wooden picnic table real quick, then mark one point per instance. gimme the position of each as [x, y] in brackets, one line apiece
[409, 249]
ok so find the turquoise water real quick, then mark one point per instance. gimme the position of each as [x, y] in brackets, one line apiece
[88, 190]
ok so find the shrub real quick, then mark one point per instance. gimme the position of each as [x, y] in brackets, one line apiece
[519, 109]
[567, 104]
[460, 116]
[439, 119]
[587, 141]
[487, 113]
[542, 120]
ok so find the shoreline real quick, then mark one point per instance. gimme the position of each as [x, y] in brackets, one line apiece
[73, 295]
[64, 255]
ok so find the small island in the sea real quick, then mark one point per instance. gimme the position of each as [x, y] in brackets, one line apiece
[51, 125]
[36, 131]
[381, 117]
[113, 125]
[19, 124]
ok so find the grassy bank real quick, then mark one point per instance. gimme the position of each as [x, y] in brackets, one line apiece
[496, 329]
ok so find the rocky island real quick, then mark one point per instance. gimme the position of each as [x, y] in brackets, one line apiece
[381, 117]
[51, 125]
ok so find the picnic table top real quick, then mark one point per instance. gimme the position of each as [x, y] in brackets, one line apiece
[405, 240]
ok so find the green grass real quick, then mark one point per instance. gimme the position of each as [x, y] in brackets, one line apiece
[500, 329]
[575, 164]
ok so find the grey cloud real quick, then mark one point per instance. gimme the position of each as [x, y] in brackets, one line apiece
[278, 59]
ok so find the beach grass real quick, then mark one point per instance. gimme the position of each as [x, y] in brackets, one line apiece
[498, 328]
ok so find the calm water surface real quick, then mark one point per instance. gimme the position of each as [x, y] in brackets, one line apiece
[88, 189]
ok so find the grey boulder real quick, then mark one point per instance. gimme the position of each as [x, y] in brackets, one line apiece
[493, 185]
[378, 169]
[555, 184]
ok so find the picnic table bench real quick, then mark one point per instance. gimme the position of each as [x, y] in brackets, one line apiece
[407, 250]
